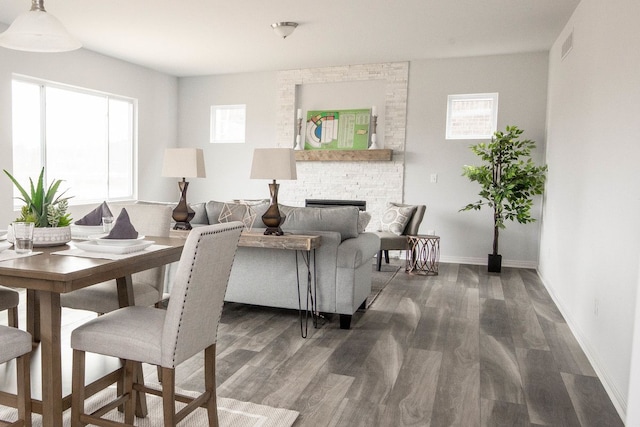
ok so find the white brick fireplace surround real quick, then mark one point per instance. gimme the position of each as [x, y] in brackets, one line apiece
[376, 182]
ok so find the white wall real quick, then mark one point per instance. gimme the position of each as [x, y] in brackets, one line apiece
[228, 165]
[590, 235]
[521, 82]
[157, 100]
[520, 79]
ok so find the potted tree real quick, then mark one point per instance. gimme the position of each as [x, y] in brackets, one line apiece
[46, 209]
[508, 179]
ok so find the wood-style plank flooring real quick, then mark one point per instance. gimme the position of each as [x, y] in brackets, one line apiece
[464, 348]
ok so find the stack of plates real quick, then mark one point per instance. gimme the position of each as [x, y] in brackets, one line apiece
[84, 231]
[96, 243]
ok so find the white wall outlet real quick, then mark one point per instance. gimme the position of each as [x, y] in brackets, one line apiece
[434, 178]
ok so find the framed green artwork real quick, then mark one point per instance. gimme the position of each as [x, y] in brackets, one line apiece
[337, 130]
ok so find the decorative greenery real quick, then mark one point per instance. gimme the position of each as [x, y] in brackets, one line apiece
[508, 182]
[43, 208]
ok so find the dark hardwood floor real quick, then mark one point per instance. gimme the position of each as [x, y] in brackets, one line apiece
[463, 348]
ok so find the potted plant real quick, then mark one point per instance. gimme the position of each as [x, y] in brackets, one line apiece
[46, 209]
[509, 179]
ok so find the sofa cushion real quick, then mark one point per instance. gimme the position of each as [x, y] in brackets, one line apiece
[396, 218]
[344, 220]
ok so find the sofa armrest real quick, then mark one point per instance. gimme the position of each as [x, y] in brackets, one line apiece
[353, 252]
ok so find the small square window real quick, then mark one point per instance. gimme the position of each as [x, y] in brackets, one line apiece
[473, 116]
[228, 123]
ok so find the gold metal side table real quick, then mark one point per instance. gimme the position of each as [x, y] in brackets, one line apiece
[423, 255]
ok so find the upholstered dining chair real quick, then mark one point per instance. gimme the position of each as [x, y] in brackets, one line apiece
[16, 344]
[9, 300]
[168, 337]
[396, 239]
[148, 220]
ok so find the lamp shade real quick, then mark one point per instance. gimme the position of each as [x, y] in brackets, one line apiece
[183, 163]
[273, 163]
[38, 31]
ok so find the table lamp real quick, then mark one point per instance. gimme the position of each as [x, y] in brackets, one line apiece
[273, 163]
[183, 163]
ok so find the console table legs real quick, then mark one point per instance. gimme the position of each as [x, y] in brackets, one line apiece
[311, 291]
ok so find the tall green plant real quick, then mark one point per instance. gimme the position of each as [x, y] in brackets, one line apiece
[44, 208]
[508, 177]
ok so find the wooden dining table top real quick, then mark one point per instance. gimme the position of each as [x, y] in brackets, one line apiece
[64, 273]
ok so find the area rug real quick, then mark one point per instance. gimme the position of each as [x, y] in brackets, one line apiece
[231, 413]
[380, 279]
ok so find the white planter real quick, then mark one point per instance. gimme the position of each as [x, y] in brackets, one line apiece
[48, 236]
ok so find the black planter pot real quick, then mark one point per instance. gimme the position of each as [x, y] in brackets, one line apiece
[494, 264]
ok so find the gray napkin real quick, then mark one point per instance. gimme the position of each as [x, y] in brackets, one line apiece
[123, 229]
[95, 216]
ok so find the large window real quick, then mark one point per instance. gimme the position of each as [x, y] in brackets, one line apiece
[473, 116]
[83, 137]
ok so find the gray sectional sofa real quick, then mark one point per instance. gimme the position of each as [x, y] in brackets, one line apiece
[267, 277]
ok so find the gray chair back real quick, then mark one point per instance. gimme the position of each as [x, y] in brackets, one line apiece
[197, 293]
[413, 225]
[149, 220]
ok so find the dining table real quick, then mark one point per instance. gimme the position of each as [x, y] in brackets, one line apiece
[51, 271]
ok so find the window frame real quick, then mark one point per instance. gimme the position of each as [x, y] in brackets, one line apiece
[493, 96]
[133, 102]
[213, 121]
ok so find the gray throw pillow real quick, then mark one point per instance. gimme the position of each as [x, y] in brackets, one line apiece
[201, 213]
[364, 218]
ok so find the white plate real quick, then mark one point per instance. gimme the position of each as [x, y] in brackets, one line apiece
[4, 245]
[99, 239]
[93, 246]
[84, 231]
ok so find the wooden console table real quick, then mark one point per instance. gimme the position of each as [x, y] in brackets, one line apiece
[306, 246]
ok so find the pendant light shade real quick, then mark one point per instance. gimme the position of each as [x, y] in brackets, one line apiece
[284, 29]
[38, 31]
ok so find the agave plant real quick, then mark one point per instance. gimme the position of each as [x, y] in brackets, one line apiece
[43, 208]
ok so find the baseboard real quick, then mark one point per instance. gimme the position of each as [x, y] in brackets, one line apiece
[618, 400]
[474, 260]
[483, 261]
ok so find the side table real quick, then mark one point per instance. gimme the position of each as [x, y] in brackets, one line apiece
[423, 255]
[302, 244]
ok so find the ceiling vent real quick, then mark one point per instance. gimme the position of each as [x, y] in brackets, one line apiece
[567, 45]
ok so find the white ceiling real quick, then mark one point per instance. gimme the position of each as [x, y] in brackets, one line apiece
[203, 37]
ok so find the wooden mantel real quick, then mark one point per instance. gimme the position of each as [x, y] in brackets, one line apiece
[343, 155]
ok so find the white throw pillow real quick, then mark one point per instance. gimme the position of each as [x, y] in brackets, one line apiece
[396, 218]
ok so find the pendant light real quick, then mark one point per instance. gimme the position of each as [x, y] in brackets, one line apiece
[38, 31]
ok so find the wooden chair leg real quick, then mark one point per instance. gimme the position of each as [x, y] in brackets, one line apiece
[77, 388]
[379, 260]
[130, 373]
[169, 396]
[210, 384]
[386, 257]
[13, 317]
[24, 389]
